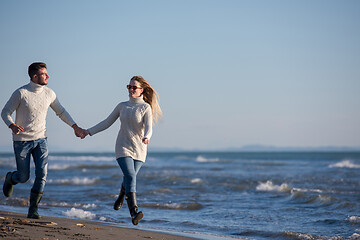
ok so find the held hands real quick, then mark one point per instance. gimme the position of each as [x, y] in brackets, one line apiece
[79, 132]
[145, 141]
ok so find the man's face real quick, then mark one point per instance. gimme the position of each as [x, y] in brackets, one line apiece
[41, 77]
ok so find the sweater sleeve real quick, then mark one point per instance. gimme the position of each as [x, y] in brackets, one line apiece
[148, 123]
[10, 107]
[101, 126]
[61, 112]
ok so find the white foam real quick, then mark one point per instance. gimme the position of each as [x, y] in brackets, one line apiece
[82, 158]
[87, 206]
[308, 190]
[58, 166]
[353, 219]
[344, 164]
[66, 204]
[79, 213]
[324, 198]
[269, 186]
[75, 180]
[203, 159]
[196, 180]
[355, 236]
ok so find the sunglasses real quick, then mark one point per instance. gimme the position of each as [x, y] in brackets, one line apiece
[133, 87]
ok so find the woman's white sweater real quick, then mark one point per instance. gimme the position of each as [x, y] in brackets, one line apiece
[136, 123]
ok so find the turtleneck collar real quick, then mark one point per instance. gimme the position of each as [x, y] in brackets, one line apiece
[136, 99]
[34, 87]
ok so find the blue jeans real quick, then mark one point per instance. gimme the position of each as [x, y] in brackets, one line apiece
[39, 151]
[130, 169]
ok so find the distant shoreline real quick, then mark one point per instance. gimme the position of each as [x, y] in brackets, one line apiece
[270, 150]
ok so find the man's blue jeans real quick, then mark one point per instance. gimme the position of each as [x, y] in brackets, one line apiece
[130, 169]
[39, 151]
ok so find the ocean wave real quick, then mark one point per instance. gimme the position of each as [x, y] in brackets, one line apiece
[174, 206]
[268, 186]
[75, 181]
[79, 213]
[196, 180]
[293, 235]
[344, 164]
[306, 196]
[303, 236]
[161, 190]
[59, 166]
[81, 158]
[71, 205]
[281, 235]
[309, 199]
[353, 219]
[16, 201]
[96, 166]
[307, 190]
[7, 162]
[203, 159]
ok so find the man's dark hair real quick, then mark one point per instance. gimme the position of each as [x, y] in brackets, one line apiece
[35, 67]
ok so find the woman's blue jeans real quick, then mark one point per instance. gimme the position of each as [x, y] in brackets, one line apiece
[130, 169]
[39, 151]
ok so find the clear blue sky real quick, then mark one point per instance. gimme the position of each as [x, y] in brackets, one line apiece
[229, 73]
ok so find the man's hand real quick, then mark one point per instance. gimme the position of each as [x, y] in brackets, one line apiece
[16, 129]
[79, 132]
[145, 141]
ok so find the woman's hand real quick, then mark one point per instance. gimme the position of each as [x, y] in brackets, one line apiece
[145, 141]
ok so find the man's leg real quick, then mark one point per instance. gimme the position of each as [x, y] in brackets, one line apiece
[40, 155]
[22, 152]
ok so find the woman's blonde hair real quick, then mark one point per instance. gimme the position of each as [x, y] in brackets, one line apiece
[150, 96]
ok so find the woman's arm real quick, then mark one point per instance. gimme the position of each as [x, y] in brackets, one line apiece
[147, 126]
[101, 126]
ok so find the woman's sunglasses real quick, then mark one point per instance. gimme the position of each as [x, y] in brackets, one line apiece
[133, 87]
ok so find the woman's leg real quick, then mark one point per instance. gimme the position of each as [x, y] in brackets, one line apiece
[130, 169]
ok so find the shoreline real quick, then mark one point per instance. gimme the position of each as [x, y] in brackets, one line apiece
[18, 226]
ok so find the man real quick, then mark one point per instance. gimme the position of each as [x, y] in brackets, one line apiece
[31, 103]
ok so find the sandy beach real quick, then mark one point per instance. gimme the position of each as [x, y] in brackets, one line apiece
[17, 226]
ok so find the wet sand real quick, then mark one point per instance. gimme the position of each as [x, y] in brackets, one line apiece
[17, 226]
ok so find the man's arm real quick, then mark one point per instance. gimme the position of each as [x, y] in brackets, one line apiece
[11, 105]
[65, 116]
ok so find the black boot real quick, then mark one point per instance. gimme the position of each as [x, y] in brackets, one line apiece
[8, 186]
[119, 202]
[34, 202]
[131, 201]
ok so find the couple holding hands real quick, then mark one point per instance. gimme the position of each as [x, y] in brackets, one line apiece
[31, 103]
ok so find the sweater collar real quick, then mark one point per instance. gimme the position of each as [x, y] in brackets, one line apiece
[137, 99]
[34, 87]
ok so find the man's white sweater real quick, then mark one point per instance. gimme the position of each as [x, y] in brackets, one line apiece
[31, 103]
[136, 123]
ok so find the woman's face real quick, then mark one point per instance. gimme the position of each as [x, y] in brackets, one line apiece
[135, 90]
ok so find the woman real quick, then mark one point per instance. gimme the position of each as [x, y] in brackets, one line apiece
[136, 117]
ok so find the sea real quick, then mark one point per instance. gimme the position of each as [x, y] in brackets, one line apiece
[208, 195]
